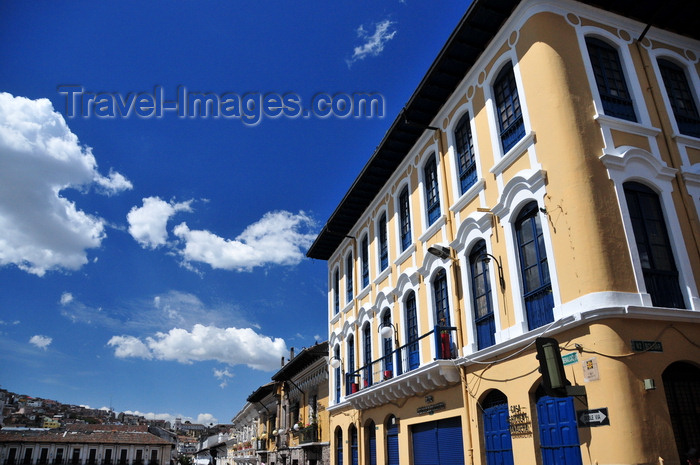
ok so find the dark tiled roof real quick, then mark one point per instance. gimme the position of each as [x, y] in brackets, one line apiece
[305, 358]
[470, 38]
[262, 392]
[103, 436]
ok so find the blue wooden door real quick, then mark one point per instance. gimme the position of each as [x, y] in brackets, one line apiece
[392, 445]
[559, 442]
[498, 444]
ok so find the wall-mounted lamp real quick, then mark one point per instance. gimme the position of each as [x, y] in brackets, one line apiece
[486, 258]
[386, 330]
[335, 362]
[440, 251]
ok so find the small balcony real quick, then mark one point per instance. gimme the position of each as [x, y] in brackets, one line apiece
[307, 435]
[399, 373]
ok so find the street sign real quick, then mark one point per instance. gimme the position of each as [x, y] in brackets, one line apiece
[569, 359]
[593, 417]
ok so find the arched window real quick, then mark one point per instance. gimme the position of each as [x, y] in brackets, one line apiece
[392, 441]
[610, 79]
[405, 219]
[365, 261]
[681, 98]
[682, 385]
[510, 117]
[466, 160]
[367, 340]
[442, 305]
[412, 331]
[371, 435]
[350, 384]
[442, 315]
[339, 446]
[354, 458]
[388, 363]
[336, 291]
[534, 269]
[653, 246]
[349, 279]
[336, 354]
[481, 297]
[432, 193]
[383, 243]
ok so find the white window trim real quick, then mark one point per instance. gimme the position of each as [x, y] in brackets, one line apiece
[430, 152]
[477, 226]
[397, 209]
[492, 110]
[634, 164]
[527, 186]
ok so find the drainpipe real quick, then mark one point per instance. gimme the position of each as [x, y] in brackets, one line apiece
[458, 289]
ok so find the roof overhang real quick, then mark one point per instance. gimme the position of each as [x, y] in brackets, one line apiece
[476, 29]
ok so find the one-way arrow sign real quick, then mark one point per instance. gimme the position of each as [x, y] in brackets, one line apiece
[593, 417]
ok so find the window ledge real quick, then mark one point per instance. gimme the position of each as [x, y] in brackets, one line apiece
[405, 254]
[386, 272]
[611, 122]
[690, 141]
[363, 292]
[430, 232]
[348, 307]
[468, 196]
[513, 154]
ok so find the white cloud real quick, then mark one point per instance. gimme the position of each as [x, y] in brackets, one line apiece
[66, 298]
[130, 346]
[39, 157]
[171, 418]
[232, 346]
[373, 44]
[222, 374]
[41, 342]
[278, 238]
[147, 224]
[206, 419]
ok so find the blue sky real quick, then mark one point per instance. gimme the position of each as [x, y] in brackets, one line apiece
[156, 263]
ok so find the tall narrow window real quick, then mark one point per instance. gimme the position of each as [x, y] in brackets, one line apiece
[339, 446]
[481, 297]
[351, 366]
[348, 279]
[336, 291]
[412, 331]
[610, 79]
[365, 261]
[432, 194]
[465, 154]
[442, 315]
[383, 243]
[510, 116]
[371, 434]
[367, 336]
[655, 254]
[354, 457]
[682, 102]
[537, 288]
[336, 354]
[405, 219]
[442, 306]
[388, 363]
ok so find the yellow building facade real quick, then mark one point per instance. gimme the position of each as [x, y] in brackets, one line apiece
[542, 182]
